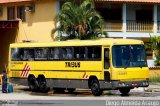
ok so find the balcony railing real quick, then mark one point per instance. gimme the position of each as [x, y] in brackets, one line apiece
[113, 26]
[139, 26]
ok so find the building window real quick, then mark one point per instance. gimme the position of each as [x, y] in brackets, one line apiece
[110, 14]
[11, 13]
[21, 13]
[144, 15]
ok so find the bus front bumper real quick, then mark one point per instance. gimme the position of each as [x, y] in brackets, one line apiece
[124, 84]
[131, 84]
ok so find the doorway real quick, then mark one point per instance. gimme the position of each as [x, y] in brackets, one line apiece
[8, 36]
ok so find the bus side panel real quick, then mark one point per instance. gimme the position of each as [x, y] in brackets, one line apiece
[59, 69]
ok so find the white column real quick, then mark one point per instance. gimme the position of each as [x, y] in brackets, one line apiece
[57, 6]
[155, 18]
[124, 19]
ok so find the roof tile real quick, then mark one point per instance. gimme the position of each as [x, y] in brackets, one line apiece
[145, 1]
[12, 1]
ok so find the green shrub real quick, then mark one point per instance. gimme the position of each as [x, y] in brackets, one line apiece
[157, 61]
[154, 80]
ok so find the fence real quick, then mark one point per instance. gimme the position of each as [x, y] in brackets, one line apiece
[113, 26]
[139, 26]
[154, 72]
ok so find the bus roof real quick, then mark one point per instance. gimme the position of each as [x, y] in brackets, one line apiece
[103, 41]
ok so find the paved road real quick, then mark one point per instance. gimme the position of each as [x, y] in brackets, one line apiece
[83, 103]
[23, 97]
[152, 91]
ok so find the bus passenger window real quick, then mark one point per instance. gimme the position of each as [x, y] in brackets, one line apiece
[79, 52]
[38, 54]
[51, 54]
[93, 55]
[77, 56]
[82, 52]
[41, 54]
[45, 53]
[25, 55]
[16, 54]
[94, 52]
[54, 53]
[97, 52]
[63, 53]
[30, 54]
[69, 53]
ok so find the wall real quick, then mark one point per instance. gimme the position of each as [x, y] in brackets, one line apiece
[38, 25]
[154, 72]
[7, 37]
[4, 15]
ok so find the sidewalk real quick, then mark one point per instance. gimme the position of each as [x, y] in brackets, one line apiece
[15, 87]
[22, 95]
[153, 88]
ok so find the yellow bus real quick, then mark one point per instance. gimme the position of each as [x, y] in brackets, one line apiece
[104, 64]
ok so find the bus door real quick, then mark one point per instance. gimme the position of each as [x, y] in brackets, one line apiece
[107, 64]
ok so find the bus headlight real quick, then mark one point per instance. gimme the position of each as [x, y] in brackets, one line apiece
[122, 84]
[145, 83]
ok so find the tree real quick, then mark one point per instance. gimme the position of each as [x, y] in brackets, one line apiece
[78, 21]
[154, 45]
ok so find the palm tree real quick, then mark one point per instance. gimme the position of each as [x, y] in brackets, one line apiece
[154, 45]
[74, 21]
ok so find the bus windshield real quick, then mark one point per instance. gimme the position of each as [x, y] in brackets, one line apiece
[129, 56]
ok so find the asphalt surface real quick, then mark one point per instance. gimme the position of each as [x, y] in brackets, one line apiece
[22, 96]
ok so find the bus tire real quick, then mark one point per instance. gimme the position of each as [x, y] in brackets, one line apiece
[95, 88]
[33, 84]
[43, 85]
[124, 91]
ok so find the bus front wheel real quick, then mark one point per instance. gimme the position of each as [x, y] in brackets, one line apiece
[124, 91]
[33, 84]
[95, 88]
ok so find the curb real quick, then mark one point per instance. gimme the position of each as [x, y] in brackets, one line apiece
[140, 89]
[152, 90]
